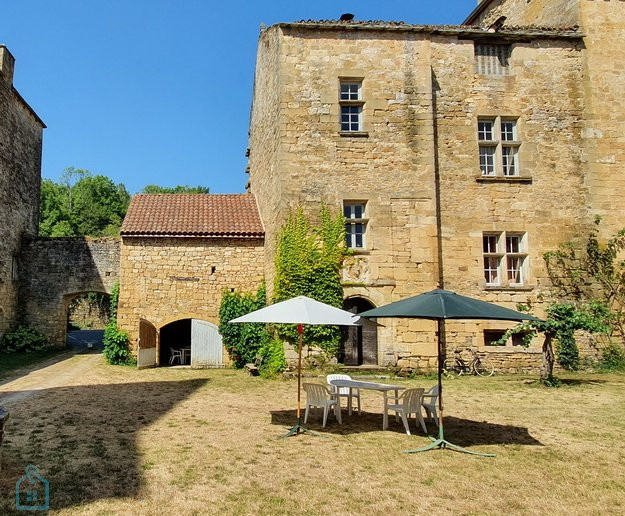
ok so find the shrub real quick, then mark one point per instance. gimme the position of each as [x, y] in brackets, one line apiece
[116, 349]
[612, 358]
[274, 361]
[243, 341]
[23, 338]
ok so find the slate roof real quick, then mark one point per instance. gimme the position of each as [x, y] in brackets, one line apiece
[193, 215]
[518, 32]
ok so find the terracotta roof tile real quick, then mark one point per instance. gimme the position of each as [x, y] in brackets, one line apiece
[169, 215]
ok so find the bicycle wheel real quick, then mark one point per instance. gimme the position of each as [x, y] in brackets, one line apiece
[483, 367]
[452, 367]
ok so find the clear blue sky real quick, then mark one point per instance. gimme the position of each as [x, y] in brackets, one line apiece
[159, 91]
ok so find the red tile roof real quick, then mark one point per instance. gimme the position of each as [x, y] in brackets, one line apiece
[197, 215]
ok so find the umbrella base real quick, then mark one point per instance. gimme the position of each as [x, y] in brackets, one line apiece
[297, 429]
[442, 443]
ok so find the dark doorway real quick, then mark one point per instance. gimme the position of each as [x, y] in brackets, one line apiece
[360, 343]
[174, 336]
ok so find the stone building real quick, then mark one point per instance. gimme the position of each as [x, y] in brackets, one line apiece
[459, 154]
[21, 132]
[178, 254]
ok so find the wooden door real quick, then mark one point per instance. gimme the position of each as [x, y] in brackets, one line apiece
[146, 353]
[206, 345]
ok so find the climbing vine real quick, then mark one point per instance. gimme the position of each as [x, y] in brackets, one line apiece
[116, 350]
[308, 263]
[243, 341]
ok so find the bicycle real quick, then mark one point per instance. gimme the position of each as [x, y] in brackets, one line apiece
[456, 365]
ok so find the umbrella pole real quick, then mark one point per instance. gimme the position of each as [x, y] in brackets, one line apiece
[298, 428]
[441, 442]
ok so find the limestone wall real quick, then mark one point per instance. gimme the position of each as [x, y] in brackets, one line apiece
[166, 279]
[20, 176]
[57, 270]
[544, 13]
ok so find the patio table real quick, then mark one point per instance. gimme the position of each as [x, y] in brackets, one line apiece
[186, 354]
[372, 386]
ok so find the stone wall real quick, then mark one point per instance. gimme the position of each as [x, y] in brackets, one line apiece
[20, 176]
[57, 270]
[543, 13]
[166, 279]
[422, 99]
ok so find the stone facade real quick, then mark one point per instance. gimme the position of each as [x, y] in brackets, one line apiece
[57, 270]
[415, 161]
[20, 168]
[163, 279]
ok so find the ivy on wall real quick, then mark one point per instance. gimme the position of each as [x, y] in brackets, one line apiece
[116, 350]
[308, 263]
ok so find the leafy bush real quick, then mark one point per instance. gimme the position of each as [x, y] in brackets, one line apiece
[243, 341]
[23, 338]
[613, 358]
[274, 361]
[116, 349]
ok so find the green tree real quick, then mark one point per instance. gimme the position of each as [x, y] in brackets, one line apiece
[155, 189]
[563, 320]
[82, 204]
[308, 262]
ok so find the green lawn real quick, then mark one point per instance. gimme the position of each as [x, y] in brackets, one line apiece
[10, 362]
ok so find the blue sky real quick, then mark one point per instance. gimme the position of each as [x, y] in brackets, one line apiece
[159, 91]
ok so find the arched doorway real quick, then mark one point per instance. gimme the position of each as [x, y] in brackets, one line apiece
[86, 316]
[360, 343]
[198, 342]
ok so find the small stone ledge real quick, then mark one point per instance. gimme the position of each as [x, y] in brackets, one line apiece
[501, 179]
[527, 288]
[354, 134]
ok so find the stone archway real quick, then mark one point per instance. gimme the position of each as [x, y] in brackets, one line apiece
[360, 343]
[197, 339]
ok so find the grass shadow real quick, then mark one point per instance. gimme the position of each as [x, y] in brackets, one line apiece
[464, 432]
[16, 365]
[83, 451]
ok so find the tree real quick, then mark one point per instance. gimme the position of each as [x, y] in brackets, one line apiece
[155, 189]
[585, 272]
[308, 262]
[82, 204]
[563, 320]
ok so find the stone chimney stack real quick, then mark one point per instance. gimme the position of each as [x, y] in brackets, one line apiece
[7, 64]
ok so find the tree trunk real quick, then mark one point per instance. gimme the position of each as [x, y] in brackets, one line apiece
[548, 359]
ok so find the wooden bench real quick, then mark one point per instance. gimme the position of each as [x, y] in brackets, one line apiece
[253, 369]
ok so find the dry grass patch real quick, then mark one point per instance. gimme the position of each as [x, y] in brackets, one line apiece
[194, 442]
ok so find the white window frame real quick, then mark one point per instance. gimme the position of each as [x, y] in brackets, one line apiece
[505, 264]
[352, 222]
[497, 145]
[351, 105]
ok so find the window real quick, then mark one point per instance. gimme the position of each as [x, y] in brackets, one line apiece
[492, 337]
[355, 225]
[492, 59]
[498, 144]
[351, 103]
[505, 257]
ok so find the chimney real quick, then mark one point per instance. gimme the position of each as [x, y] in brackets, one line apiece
[7, 64]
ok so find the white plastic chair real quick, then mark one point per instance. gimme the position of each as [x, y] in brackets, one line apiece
[175, 354]
[409, 403]
[344, 392]
[430, 401]
[318, 395]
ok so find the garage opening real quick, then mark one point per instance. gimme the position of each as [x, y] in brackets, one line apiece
[360, 343]
[190, 342]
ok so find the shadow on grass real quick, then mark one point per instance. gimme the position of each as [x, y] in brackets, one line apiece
[463, 432]
[16, 365]
[83, 439]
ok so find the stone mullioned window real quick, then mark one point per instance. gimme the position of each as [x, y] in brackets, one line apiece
[499, 144]
[351, 104]
[505, 259]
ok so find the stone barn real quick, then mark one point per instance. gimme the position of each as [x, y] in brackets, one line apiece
[178, 255]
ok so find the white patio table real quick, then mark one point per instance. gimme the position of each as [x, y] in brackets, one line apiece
[372, 386]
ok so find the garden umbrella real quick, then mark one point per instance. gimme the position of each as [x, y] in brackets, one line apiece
[300, 310]
[439, 305]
